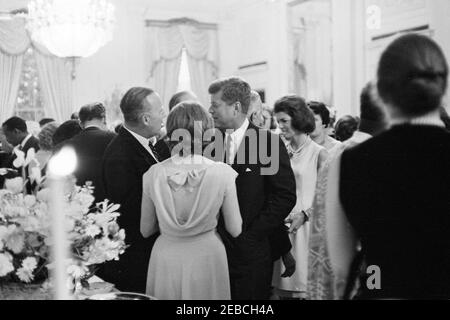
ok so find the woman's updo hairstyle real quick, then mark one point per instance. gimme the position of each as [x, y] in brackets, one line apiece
[187, 123]
[412, 75]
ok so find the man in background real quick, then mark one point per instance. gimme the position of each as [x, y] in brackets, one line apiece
[127, 158]
[90, 145]
[16, 133]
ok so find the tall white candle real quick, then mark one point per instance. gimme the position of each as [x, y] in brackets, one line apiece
[59, 167]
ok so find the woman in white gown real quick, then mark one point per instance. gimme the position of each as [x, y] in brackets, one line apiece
[296, 122]
[182, 198]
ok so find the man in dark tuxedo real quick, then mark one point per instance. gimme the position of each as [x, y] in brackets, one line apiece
[90, 145]
[16, 133]
[265, 187]
[126, 159]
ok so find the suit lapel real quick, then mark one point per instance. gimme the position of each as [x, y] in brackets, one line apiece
[130, 140]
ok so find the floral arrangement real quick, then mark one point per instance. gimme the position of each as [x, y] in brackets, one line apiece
[25, 225]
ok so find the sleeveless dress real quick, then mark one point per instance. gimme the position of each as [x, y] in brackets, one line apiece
[304, 163]
[188, 260]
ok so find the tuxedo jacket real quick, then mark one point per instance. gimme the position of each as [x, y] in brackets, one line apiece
[124, 163]
[264, 201]
[90, 146]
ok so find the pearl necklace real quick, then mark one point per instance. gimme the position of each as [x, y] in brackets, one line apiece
[293, 152]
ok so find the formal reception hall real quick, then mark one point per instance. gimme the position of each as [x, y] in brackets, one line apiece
[224, 150]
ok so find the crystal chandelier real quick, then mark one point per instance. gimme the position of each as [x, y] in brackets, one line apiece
[71, 28]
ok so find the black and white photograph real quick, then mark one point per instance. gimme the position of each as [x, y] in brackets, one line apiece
[235, 157]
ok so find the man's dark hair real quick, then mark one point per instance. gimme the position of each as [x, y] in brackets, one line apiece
[15, 123]
[92, 111]
[321, 110]
[233, 90]
[132, 101]
[74, 116]
[44, 121]
[176, 98]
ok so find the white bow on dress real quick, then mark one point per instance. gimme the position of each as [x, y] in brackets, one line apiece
[189, 179]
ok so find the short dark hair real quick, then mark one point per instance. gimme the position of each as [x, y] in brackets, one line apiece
[132, 101]
[44, 121]
[92, 111]
[74, 116]
[321, 110]
[233, 90]
[176, 98]
[66, 131]
[302, 116]
[15, 123]
[412, 75]
[346, 127]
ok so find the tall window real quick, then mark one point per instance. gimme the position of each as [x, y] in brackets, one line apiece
[184, 79]
[29, 104]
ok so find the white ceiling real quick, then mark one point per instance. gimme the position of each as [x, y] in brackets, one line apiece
[179, 5]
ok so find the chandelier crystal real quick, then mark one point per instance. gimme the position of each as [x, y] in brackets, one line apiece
[71, 28]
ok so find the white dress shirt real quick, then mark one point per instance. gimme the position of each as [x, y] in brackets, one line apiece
[144, 142]
[236, 139]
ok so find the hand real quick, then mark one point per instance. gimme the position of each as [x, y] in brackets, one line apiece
[296, 221]
[289, 265]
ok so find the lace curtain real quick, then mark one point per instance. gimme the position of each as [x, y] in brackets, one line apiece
[54, 73]
[164, 44]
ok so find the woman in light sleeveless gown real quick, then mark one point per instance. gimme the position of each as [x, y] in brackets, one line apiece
[296, 122]
[182, 198]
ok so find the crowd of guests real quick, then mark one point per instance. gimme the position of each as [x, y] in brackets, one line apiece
[367, 191]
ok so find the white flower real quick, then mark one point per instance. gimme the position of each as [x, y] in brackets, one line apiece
[16, 211]
[31, 156]
[25, 275]
[3, 232]
[122, 234]
[15, 241]
[35, 175]
[93, 230]
[76, 271]
[29, 201]
[29, 264]
[43, 195]
[85, 199]
[20, 158]
[6, 265]
[14, 185]
[113, 228]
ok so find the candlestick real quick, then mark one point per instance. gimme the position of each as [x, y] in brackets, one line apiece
[59, 167]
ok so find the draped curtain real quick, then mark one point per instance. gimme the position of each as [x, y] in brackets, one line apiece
[164, 45]
[54, 73]
[313, 61]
